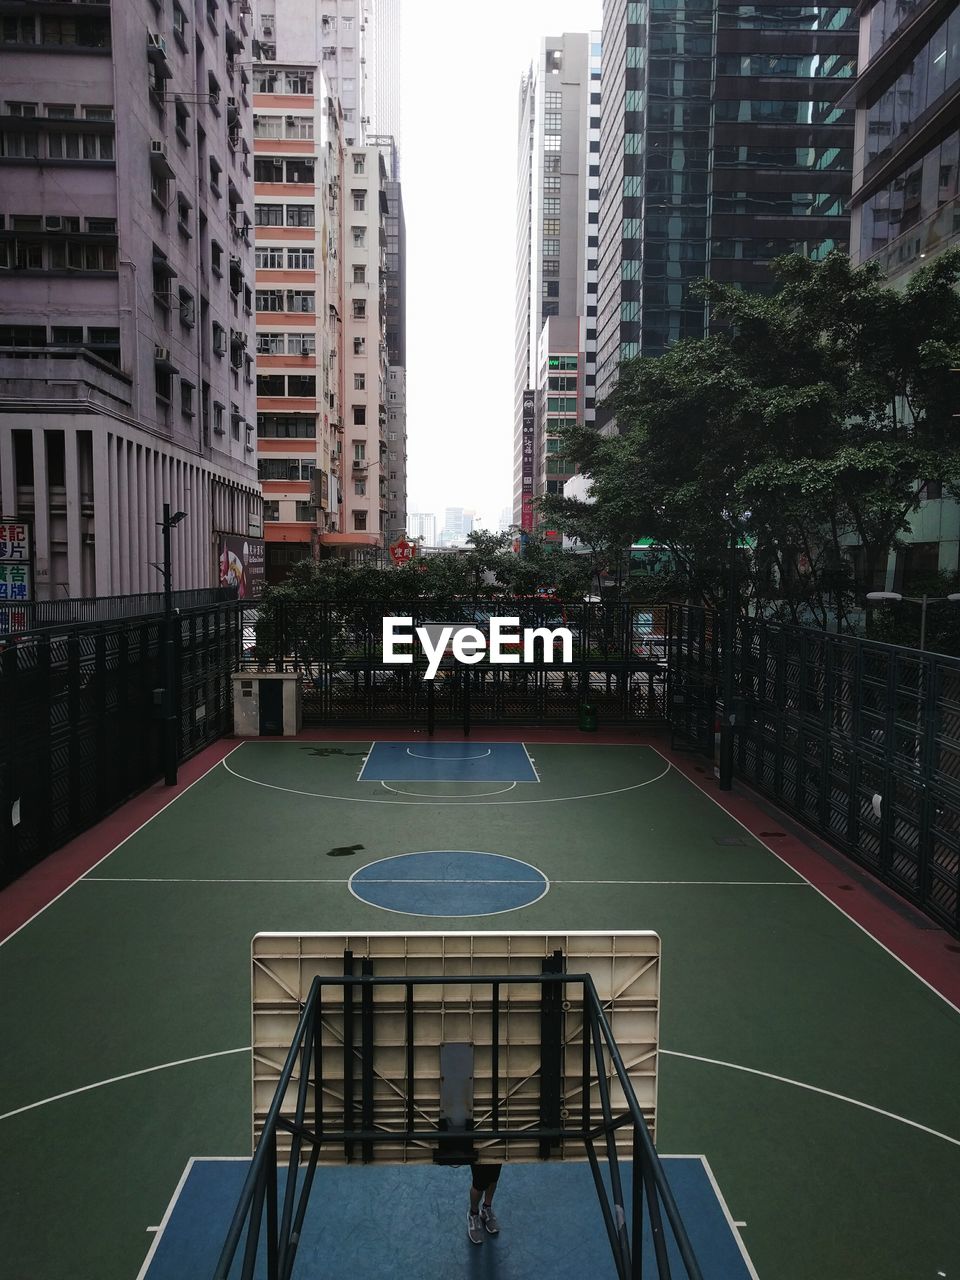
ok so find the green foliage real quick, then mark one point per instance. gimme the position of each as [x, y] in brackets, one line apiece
[900, 623]
[816, 410]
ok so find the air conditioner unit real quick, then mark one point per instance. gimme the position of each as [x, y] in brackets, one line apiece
[52, 223]
[158, 148]
[267, 31]
[219, 431]
[161, 355]
[290, 119]
[236, 263]
[156, 43]
[219, 342]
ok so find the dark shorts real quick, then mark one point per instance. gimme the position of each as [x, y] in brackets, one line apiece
[485, 1176]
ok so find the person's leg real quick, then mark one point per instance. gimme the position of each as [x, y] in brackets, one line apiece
[487, 1217]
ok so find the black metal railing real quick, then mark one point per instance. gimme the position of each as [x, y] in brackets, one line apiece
[617, 663]
[34, 615]
[269, 1222]
[80, 717]
[860, 740]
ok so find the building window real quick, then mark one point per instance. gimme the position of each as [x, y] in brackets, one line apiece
[359, 382]
[216, 257]
[188, 308]
[271, 384]
[270, 344]
[301, 384]
[286, 426]
[300, 259]
[306, 512]
[268, 259]
[359, 415]
[186, 398]
[360, 521]
[300, 215]
[551, 226]
[360, 488]
[359, 275]
[359, 236]
[298, 82]
[359, 451]
[359, 163]
[301, 344]
[271, 509]
[359, 201]
[359, 346]
[268, 215]
[551, 142]
[359, 308]
[163, 382]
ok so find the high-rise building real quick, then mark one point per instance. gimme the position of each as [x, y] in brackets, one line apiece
[323, 185]
[906, 162]
[557, 213]
[384, 83]
[421, 524]
[395, 281]
[722, 147]
[906, 205]
[126, 289]
[298, 168]
[457, 524]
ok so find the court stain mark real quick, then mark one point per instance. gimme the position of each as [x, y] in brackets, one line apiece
[323, 752]
[344, 851]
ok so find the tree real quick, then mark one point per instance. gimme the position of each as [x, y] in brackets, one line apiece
[818, 410]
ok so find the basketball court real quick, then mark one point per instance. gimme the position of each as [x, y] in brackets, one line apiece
[807, 1109]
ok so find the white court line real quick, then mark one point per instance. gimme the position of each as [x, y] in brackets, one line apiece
[165, 1219]
[172, 800]
[780, 858]
[812, 1088]
[530, 758]
[178, 1190]
[477, 794]
[483, 755]
[729, 1217]
[130, 1075]
[754, 884]
[366, 761]
[448, 804]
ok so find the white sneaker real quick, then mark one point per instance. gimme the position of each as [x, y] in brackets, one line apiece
[489, 1220]
[474, 1228]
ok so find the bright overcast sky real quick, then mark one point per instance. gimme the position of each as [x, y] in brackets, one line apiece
[460, 74]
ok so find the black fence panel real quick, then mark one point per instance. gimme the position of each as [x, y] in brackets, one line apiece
[860, 740]
[617, 664]
[79, 719]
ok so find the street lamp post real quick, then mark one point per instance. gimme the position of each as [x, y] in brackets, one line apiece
[170, 752]
[725, 773]
[896, 598]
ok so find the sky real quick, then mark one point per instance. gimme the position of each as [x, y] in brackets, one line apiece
[461, 68]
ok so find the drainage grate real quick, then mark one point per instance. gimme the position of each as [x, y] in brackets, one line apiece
[737, 841]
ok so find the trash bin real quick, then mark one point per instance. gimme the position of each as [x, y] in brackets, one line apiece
[588, 717]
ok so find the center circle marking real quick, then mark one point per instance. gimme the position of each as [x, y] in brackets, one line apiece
[449, 882]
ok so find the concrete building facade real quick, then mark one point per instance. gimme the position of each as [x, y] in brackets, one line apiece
[126, 289]
[556, 246]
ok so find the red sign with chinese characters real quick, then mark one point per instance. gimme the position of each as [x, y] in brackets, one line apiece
[402, 551]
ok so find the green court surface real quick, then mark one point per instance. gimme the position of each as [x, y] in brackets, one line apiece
[814, 1071]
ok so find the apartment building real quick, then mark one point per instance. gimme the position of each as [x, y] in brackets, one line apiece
[365, 468]
[126, 289]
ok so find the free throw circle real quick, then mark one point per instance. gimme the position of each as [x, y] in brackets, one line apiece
[449, 882]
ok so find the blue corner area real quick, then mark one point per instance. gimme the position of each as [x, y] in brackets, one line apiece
[410, 1220]
[448, 762]
[449, 883]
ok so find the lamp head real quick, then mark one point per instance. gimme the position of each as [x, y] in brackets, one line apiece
[884, 595]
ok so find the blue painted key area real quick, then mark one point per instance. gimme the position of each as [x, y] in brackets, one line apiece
[448, 762]
[410, 1221]
[449, 883]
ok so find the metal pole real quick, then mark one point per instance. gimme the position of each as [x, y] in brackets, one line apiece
[729, 639]
[923, 623]
[169, 663]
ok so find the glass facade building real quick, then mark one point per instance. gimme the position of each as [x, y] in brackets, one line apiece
[722, 146]
[907, 141]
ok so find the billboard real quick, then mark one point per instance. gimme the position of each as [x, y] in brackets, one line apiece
[241, 565]
[526, 464]
[16, 579]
